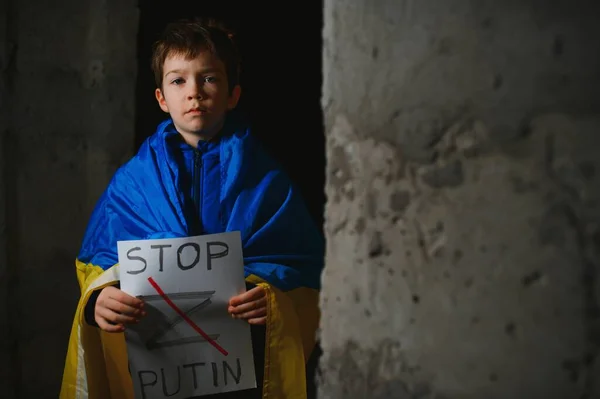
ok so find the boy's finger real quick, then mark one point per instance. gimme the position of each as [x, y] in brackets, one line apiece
[120, 307]
[254, 293]
[127, 299]
[245, 307]
[115, 318]
[258, 321]
[104, 325]
[253, 314]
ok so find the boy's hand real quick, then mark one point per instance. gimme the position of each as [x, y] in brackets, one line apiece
[250, 306]
[114, 309]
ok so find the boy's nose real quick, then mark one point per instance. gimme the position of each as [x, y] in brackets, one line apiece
[195, 95]
[195, 92]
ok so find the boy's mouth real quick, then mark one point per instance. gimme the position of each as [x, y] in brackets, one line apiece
[196, 111]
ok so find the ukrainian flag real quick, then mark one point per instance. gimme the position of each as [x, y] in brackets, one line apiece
[283, 252]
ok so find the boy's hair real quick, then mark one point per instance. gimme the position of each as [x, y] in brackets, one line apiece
[189, 38]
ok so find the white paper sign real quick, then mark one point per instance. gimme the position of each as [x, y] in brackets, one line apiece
[186, 282]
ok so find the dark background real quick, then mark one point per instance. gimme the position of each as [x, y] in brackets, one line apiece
[281, 49]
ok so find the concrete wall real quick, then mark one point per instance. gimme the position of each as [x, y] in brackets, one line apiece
[72, 80]
[462, 219]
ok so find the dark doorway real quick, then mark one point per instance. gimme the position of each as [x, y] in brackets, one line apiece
[281, 50]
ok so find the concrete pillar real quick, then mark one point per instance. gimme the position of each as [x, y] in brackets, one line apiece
[73, 125]
[463, 218]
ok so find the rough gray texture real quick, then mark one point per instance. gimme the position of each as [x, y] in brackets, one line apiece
[72, 107]
[463, 228]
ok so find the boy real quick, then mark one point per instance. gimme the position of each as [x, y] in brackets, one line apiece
[202, 172]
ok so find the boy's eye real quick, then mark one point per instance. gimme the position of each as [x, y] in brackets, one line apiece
[177, 81]
[210, 79]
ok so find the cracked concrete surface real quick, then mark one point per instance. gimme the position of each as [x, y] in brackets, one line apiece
[462, 217]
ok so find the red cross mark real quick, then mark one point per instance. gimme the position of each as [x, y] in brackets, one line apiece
[185, 317]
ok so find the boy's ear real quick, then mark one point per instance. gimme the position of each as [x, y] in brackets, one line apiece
[161, 100]
[234, 97]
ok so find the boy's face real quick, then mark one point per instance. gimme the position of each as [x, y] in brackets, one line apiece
[195, 93]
